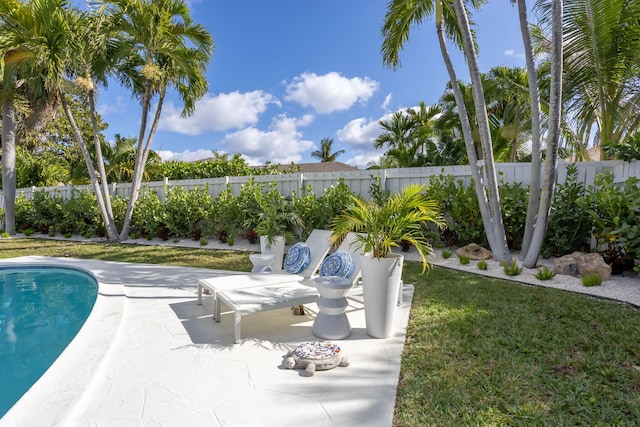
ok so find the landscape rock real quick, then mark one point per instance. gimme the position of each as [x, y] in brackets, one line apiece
[474, 251]
[582, 264]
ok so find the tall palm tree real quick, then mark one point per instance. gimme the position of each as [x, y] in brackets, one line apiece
[601, 67]
[553, 136]
[161, 48]
[29, 32]
[401, 15]
[325, 154]
[398, 131]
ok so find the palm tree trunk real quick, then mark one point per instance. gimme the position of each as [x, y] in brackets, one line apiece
[108, 219]
[478, 181]
[555, 112]
[536, 160]
[9, 165]
[500, 249]
[138, 169]
[99, 159]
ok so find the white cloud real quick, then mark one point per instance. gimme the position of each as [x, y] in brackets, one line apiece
[511, 52]
[218, 113]
[105, 108]
[329, 92]
[387, 101]
[187, 155]
[362, 131]
[362, 161]
[283, 143]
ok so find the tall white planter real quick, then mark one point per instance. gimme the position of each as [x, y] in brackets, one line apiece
[381, 285]
[276, 249]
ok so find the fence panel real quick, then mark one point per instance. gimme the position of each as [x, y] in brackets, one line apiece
[359, 181]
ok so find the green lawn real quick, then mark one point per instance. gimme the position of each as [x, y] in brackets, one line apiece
[479, 351]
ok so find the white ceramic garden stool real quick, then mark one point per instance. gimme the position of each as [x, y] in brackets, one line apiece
[332, 322]
[261, 262]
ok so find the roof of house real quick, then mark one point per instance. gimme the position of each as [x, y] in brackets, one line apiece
[320, 167]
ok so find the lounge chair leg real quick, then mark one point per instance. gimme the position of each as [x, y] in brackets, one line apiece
[236, 329]
[216, 309]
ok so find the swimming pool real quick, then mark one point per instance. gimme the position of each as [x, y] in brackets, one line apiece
[41, 311]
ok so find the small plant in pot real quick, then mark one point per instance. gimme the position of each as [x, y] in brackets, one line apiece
[380, 227]
[273, 225]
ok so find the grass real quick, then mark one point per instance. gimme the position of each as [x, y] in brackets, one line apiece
[479, 351]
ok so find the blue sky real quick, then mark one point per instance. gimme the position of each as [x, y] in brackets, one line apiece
[285, 74]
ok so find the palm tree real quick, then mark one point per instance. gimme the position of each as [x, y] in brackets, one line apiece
[161, 48]
[507, 95]
[601, 67]
[423, 119]
[29, 32]
[553, 137]
[325, 154]
[451, 19]
[398, 131]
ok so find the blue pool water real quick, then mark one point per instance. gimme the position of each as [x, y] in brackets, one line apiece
[41, 310]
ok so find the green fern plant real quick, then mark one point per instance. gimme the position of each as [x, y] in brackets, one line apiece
[464, 259]
[591, 279]
[203, 241]
[545, 273]
[446, 253]
[511, 268]
[482, 265]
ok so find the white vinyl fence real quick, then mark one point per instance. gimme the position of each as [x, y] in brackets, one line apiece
[359, 182]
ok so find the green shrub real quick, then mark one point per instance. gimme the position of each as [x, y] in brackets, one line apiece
[248, 204]
[203, 241]
[514, 200]
[482, 265]
[29, 231]
[148, 215]
[332, 203]
[464, 259]
[81, 214]
[569, 227]
[306, 207]
[446, 253]
[459, 206]
[47, 212]
[591, 279]
[187, 210]
[24, 212]
[615, 209]
[226, 218]
[512, 268]
[545, 273]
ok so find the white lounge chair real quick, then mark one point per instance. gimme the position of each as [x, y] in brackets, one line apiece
[269, 296]
[319, 242]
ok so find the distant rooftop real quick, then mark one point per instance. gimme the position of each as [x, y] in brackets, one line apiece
[318, 167]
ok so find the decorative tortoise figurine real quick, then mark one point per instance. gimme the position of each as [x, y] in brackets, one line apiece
[315, 355]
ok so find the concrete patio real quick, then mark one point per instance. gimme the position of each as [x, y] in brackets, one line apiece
[149, 355]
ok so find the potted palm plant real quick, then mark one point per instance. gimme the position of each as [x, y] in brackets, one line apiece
[273, 224]
[381, 228]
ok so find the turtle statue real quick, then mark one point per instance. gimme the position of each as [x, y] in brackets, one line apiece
[315, 356]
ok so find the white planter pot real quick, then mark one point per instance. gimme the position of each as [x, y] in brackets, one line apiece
[276, 249]
[381, 285]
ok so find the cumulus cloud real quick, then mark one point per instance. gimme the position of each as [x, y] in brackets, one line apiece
[187, 155]
[329, 92]
[363, 161]
[283, 143]
[362, 131]
[218, 112]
